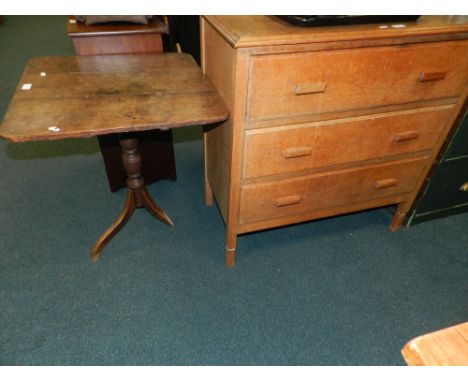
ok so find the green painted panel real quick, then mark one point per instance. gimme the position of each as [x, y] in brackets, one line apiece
[459, 145]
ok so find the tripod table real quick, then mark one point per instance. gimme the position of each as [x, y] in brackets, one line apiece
[85, 96]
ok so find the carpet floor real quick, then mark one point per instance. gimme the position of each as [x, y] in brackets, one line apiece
[338, 291]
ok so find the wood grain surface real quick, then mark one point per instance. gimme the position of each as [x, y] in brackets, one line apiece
[72, 97]
[263, 201]
[118, 44]
[286, 149]
[158, 24]
[355, 78]
[327, 120]
[117, 37]
[253, 31]
[446, 347]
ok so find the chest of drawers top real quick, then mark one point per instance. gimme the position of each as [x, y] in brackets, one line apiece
[298, 74]
[256, 31]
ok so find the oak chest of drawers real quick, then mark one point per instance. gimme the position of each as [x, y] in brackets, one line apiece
[326, 121]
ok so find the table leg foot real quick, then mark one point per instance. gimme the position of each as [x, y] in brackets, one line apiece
[396, 221]
[124, 216]
[153, 209]
[399, 216]
[230, 254]
[229, 257]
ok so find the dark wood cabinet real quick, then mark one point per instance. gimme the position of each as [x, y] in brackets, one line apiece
[185, 31]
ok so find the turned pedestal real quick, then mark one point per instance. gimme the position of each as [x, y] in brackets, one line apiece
[137, 194]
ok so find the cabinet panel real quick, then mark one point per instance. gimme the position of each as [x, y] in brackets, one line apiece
[447, 193]
[447, 187]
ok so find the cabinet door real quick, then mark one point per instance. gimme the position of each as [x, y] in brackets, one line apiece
[446, 193]
[446, 189]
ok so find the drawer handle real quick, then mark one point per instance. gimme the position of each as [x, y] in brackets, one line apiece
[431, 76]
[406, 136]
[288, 200]
[297, 152]
[310, 88]
[464, 187]
[384, 183]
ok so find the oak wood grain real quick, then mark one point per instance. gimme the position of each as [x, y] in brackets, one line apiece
[334, 142]
[261, 31]
[321, 191]
[227, 68]
[329, 120]
[290, 119]
[218, 142]
[306, 215]
[355, 79]
[445, 347]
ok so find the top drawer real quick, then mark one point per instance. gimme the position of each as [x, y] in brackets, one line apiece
[342, 80]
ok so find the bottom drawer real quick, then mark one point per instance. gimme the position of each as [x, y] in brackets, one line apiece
[295, 196]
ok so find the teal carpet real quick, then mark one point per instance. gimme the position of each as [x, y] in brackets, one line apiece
[339, 291]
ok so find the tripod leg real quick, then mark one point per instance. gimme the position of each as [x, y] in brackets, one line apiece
[122, 219]
[153, 209]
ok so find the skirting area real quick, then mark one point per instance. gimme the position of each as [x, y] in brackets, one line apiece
[340, 291]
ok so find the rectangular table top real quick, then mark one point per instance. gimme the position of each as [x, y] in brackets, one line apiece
[84, 96]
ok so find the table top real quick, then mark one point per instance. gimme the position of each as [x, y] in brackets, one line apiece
[446, 347]
[85, 96]
[158, 24]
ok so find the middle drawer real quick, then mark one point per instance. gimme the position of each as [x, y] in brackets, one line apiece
[278, 150]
